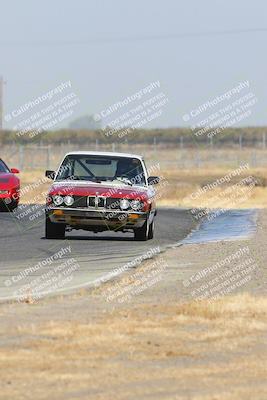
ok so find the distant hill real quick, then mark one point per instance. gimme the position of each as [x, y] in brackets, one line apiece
[86, 122]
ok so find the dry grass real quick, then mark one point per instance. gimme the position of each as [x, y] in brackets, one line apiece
[175, 351]
[34, 187]
[181, 184]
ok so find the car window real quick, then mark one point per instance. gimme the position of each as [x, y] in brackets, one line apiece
[102, 168]
[98, 167]
[3, 167]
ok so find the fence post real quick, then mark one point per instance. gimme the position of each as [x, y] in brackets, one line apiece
[240, 141]
[211, 142]
[253, 159]
[21, 157]
[197, 160]
[96, 144]
[155, 145]
[113, 147]
[181, 142]
[264, 140]
[48, 157]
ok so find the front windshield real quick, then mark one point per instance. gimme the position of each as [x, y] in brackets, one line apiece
[3, 167]
[125, 170]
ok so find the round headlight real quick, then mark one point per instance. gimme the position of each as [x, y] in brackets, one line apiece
[124, 204]
[68, 200]
[58, 200]
[136, 205]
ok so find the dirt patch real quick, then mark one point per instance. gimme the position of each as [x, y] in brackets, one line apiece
[172, 351]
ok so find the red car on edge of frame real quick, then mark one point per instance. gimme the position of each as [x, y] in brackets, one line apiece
[9, 187]
[97, 191]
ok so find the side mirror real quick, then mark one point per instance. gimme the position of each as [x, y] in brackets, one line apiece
[50, 174]
[153, 180]
[14, 171]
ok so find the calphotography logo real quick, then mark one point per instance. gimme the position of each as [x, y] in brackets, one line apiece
[227, 192]
[46, 277]
[44, 112]
[227, 110]
[133, 112]
[232, 273]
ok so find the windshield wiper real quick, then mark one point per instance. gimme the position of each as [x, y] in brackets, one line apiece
[124, 180]
[64, 178]
[79, 178]
[91, 179]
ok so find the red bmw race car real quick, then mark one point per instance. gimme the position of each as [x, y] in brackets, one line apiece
[98, 192]
[9, 187]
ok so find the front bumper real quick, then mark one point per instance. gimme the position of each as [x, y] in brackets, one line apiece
[6, 200]
[9, 196]
[92, 219]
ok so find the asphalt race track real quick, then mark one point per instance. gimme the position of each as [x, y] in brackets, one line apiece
[23, 246]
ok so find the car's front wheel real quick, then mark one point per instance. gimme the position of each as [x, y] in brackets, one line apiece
[146, 232]
[12, 206]
[54, 231]
[151, 230]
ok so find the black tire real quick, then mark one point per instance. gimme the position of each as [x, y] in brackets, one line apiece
[141, 234]
[54, 231]
[151, 230]
[12, 206]
[2, 207]
[8, 207]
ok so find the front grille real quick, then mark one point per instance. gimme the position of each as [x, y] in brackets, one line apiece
[96, 202]
[80, 201]
[113, 204]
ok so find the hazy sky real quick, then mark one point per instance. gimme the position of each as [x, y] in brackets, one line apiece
[90, 43]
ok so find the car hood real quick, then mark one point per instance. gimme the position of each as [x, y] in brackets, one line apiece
[8, 180]
[79, 188]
